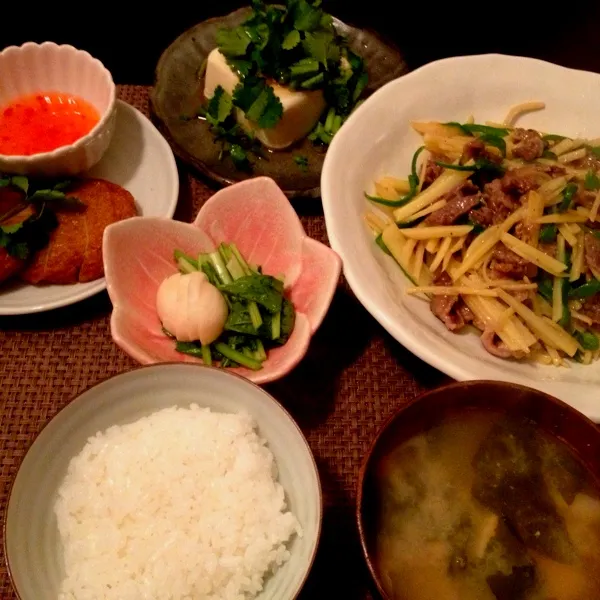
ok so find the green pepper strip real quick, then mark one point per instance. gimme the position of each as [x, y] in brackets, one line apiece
[586, 290]
[413, 180]
[588, 340]
[567, 194]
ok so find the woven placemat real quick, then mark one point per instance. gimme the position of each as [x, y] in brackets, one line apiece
[353, 378]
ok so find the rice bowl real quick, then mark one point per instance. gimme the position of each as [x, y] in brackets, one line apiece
[33, 531]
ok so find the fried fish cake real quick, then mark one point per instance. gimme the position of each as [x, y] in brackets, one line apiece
[9, 265]
[74, 253]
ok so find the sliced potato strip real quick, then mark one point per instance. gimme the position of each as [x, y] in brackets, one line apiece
[549, 264]
[428, 233]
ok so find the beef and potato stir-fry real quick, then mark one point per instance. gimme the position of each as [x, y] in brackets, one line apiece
[499, 228]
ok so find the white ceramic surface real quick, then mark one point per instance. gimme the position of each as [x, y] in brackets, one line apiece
[140, 160]
[48, 67]
[377, 140]
[32, 542]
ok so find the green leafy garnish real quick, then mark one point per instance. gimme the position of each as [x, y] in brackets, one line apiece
[21, 182]
[301, 161]
[322, 46]
[549, 154]
[548, 233]
[21, 239]
[233, 42]
[588, 340]
[307, 15]
[494, 140]
[391, 203]
[567, 197]
[295, 45]
[10, 229]
[379, 241]
[545, 289]
[413, 180]
[592, 181]
[220, 106]
[591, 288]
[473, 128]
[477, 227]
[480, 164]
[259, 316]
[552, 137]
[291, 40]
[234, 142]
[595, 150]
[262, 289]
[258, 101]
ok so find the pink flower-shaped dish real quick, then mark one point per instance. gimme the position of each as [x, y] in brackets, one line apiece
[258, 218]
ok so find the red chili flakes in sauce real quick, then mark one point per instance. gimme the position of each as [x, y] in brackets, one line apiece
[43, 122]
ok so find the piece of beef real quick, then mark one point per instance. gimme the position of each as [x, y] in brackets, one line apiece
[528, 144]
[447, 308]
[584, 198]
[466, 313]
[591, 308]
[459, 202]
[508, 264]
[552, 170]
[589, 162]
[431, 173]
[494, 345]
[591, 246]
[497, 205]
[476, 149]
[520, 181]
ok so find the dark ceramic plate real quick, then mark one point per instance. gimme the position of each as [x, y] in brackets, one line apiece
[178, 91]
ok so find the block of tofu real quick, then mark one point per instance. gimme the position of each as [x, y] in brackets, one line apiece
[301, 109]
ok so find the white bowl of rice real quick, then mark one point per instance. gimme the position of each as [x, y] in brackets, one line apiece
[171, 481]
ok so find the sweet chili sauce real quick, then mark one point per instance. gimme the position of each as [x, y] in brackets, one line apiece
[43, 122]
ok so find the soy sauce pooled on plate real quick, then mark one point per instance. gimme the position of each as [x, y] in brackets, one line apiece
[487, 507]
[43, 122]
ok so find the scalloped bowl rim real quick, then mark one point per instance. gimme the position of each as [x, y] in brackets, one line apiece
[257, 377]
[28, 159]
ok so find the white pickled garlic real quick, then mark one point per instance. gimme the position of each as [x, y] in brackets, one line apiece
[191, 308]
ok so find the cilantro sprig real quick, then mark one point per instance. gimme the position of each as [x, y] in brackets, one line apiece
[234, 141]
[22, 238]
[295, 45]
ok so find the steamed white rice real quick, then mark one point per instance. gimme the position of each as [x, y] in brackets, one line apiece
[182, 504]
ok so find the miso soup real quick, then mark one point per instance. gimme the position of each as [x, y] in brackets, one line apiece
[487, 507]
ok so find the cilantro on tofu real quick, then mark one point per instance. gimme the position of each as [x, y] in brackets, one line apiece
[235, 142]
[295, 45]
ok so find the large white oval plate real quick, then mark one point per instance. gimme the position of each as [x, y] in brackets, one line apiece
[140, 160]
[377, 140]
